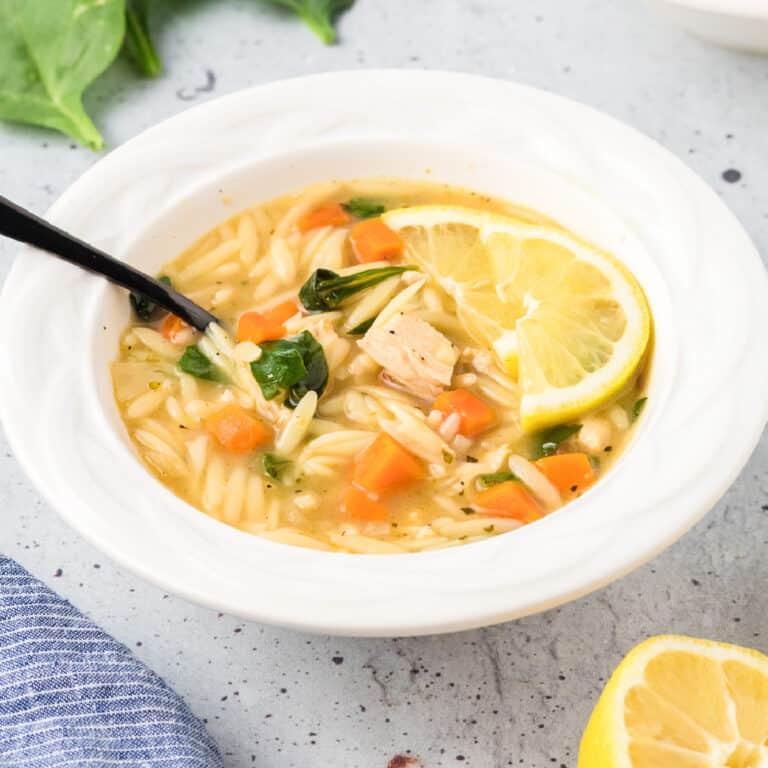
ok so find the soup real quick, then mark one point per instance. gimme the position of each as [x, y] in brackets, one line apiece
[401, 366]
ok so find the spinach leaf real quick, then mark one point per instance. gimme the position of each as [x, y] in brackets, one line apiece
[297, 365]
[146, 309]
[273, 465]
[280, 366]
[548, 440]
[50, 52]
[138, 41]
[486, 481]
[318, 15]
[195, 363]
[325, 290]
[362, 329]
[361, 208]
[637, 408]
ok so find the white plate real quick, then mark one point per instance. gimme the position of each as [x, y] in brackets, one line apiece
[153, 196]
[738, 24]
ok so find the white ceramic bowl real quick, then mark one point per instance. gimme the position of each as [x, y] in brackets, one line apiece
[738, 24]
[150, 198]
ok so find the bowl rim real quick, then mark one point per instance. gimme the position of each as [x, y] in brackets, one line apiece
[345, 621]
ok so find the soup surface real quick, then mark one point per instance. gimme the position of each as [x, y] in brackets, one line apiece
[402, 366]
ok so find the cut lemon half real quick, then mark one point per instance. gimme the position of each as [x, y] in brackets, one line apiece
[678, 702]
[566, 319]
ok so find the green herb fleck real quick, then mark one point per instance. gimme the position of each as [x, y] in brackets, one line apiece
[486, 481]
[548, 440]
[362, 208]
[154, 385]
[273, 465]
[362, 329]
[595, 462]
[447, 457]
[297, 365]
[490, 529]
[326, 290]
[471, 460]
[637, 408]
[146, 309]
[468, 510]
[195, 363]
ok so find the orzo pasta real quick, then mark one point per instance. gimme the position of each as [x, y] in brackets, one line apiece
[400, 367]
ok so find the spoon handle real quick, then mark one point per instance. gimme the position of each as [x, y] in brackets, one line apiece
[24, 226]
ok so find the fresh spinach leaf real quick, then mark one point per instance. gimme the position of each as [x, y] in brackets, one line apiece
[318, 15]
[486, 481]
[361, 208]
[297, 365]
[637, 408]
[317, 371]
[146, 309]
[273, 465]
[50, 52]
[362, 329]
[548, 440]
[325, 290]
[280, 366]
[138, 41]
[195, 363]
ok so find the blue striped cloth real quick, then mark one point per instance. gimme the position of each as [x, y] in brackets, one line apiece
[70, 695]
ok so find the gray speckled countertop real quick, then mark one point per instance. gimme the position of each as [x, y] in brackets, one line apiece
[516, 694]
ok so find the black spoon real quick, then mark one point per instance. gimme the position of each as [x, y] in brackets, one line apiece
[22, 225]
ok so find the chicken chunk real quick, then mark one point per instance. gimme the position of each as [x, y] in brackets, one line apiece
[414, 355]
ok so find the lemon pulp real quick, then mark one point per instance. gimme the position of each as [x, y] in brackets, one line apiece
[680, 702]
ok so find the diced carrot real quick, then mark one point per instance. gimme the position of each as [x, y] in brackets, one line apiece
[476, 415]
[373, 240]
[256, 327]
[509, 499]
[358, 505]
[236, 430]
[569, 472]
[332, 215]
[171, 326]
[281, 312]
[265, 326]
[385, 465]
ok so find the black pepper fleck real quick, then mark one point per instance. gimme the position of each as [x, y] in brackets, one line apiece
[732, 175]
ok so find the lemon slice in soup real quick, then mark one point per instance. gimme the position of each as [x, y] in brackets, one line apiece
[569, 321]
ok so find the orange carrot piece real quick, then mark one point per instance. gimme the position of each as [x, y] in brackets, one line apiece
[569, 472]
[332, 215]
[236, 430]
[172, 325]
[508, 499]
[385, 465]
[373, 240]
[358, 505]
[283, 311]
[476, 415]
[256, 327]
[265, 326]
